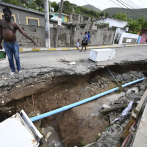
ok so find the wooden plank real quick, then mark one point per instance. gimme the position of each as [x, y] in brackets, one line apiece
[130, 123]
[141, 102]
[135, 112]
[112, 109]
[124, 141]
[124, 134]
[105, 64]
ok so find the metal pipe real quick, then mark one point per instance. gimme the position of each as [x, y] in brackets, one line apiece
[80, 102]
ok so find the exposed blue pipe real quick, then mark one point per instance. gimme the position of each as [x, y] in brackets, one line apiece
[81, 102]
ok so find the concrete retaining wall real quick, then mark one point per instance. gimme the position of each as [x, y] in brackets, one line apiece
[67, 37]
[98, 37]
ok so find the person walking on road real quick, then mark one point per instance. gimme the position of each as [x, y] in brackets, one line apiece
[88, 37]
[84, 42]
[8, 30]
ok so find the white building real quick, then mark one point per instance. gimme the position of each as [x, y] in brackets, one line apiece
[115, 23]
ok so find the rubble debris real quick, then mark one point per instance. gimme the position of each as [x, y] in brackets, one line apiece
[108, 110]
[125, 112]
[72, 63]
[104, 106]
[112, 138]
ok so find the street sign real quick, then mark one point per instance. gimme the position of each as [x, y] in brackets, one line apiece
[59, 21]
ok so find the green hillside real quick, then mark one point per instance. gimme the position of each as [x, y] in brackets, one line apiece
[92, 8]
[137, 13]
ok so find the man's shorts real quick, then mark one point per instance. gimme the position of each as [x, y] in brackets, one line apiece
[84, 43]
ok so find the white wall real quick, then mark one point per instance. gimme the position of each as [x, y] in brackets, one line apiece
[118, 33]
[113, 22]
[127, 35]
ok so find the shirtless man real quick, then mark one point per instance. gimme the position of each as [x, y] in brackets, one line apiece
[8, 33]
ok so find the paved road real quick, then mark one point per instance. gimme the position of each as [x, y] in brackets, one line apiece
[51, 58]
[40, 59]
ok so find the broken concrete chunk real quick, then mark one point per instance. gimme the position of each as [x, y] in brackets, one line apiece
[104, 106]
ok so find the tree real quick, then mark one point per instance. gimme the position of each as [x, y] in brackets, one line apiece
[39, 2]
[106, 14]
[121, 16]
[102, 14]
[134, 26]
[67, 7]
[13, 2]
[55, 6]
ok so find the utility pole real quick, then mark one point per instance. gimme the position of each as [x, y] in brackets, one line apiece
[60, 12]
[47, 23]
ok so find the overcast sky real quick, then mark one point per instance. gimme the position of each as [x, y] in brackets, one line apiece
[103, 4]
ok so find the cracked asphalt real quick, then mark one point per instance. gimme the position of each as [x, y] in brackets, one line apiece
[41, 62]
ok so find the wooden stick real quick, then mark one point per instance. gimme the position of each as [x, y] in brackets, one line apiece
[8, 109]
[28, 104]
[33, 103]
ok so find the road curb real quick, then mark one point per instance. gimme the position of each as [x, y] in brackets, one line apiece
[63, 49]
[130, 45]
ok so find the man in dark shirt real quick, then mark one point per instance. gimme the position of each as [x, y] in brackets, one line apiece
[84, 42]
[8, 33]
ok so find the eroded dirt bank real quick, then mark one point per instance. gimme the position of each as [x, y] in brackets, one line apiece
[78, 126]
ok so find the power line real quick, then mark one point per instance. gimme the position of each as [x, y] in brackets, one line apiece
[133, 3]
[125, 4]
[143, 2]
[116, 3]
[138, 8]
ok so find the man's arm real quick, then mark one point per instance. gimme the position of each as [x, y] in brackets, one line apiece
[86, 39]
[1, 36]
[25, 34]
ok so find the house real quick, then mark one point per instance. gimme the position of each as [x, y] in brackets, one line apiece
[24, 16]
[113, 22]
[143, 36]
[55, 16]
[116, 24]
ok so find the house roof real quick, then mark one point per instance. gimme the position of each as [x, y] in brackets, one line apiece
[28, 10]
[111, 18]
[21, 8]
[58, 13]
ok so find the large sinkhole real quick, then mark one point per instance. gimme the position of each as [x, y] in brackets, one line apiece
[83, 124]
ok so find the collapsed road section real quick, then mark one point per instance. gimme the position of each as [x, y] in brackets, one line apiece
[82, 125]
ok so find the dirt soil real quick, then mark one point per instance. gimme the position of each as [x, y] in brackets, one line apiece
[78, 126]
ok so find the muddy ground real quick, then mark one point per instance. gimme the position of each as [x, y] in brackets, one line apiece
[78, 126]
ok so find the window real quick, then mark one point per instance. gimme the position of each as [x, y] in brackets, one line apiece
[13, 17]
[32, 21]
